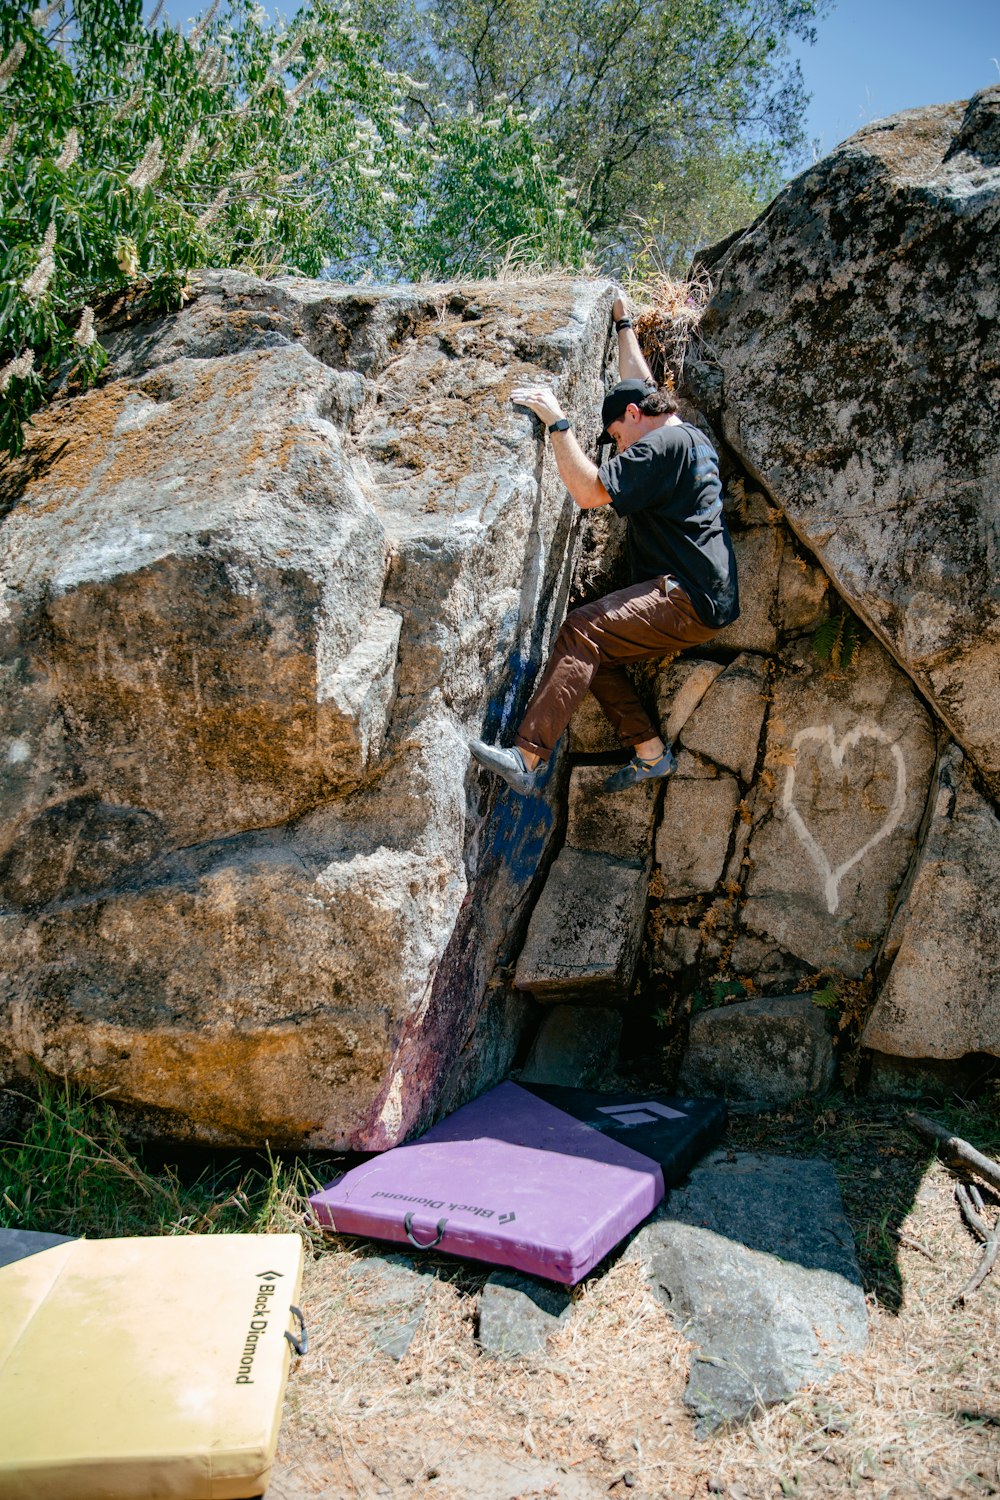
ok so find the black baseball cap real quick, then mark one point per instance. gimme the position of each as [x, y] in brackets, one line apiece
[618, 398]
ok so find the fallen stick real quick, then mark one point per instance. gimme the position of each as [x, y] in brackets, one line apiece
[970, 1202]
[912, 1244]
[957, 1150]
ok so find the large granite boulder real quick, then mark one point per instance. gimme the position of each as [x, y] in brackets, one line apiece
[853, 361]
[256, 591]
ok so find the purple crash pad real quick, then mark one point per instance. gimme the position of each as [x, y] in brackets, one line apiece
[507, 1179]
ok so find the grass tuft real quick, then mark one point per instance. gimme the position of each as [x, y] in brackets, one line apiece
[73, 1172]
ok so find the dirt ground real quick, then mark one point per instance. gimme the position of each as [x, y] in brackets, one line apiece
[601, 1413]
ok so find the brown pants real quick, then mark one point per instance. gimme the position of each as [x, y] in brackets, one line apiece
[648, 620]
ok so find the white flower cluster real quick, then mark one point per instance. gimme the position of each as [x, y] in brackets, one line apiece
[213, 209]
[7, 144]
[35, 285]
[19, 368]
[145, 173]
[40, 17]
[128, 104]
[70, 151]
[198, 31]
[9, 65]
[190, 146]
[293, 96]
[211, 67]
[85, 335]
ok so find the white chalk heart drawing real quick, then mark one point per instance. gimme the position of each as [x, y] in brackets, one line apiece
[826, 734]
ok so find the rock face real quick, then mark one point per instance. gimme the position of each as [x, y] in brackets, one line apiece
[256, 591]
[259, 587]
[941, 996]
[835, 819]
[576, 1046]
[856, 326]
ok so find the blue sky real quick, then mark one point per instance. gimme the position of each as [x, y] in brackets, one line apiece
[874, 57]
[871, 58]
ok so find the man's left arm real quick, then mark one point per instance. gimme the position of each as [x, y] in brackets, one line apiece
[577, 472]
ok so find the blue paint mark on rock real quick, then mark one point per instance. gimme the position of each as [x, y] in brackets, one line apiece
[518, 831]
[505, 708]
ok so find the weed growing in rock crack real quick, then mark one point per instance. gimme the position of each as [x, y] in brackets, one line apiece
[73, 1172]
[837, 640]
[715, 993]
[828, 997]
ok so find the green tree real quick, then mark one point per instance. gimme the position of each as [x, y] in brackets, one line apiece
[673, 119]
[131, 154]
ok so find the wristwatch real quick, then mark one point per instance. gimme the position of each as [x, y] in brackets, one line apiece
[621, 323]
[563, 425]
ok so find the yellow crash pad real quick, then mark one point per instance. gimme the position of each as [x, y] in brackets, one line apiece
[145, 1367]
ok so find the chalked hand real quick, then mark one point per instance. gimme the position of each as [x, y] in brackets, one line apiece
[542, 402]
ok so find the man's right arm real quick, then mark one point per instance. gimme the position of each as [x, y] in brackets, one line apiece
[631, 363]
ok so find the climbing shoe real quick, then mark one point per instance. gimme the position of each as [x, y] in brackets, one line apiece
[639, 770]
[506, 764]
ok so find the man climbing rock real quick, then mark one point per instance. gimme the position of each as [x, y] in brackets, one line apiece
[664, 478]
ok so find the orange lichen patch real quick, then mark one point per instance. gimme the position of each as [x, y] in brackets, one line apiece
[192, 1073]
[68, 440]
[913, 148]
[79, 444]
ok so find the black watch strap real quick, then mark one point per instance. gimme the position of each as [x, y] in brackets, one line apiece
[621, 323]
[563, 425]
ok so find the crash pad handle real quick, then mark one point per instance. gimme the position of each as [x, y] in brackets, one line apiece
[408, 1226]
[300, 1341]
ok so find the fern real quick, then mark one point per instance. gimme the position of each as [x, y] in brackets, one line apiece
[827, 998]
[715, 993]
[838, 640]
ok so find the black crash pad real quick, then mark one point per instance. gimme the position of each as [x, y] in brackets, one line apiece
[675, 1131]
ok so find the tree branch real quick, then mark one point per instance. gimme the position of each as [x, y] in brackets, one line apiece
[955, 1150]
[969, 1201]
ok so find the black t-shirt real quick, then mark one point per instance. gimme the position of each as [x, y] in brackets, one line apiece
[668, 486]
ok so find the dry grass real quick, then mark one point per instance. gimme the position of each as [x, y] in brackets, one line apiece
[606, 1396]
[917, 1416]
[667, 325]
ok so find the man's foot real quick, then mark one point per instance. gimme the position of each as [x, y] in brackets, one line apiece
[640, 770]
[507, 764]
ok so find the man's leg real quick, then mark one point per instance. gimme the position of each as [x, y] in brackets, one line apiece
[648, 620]
[641, 623]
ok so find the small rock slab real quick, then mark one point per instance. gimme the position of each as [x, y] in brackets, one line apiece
[394, 1294]
[615, 825]
[585, 933]
[726, 725]
[517, 1314]
[693, 839]
[773, 1051]
[940, 999]
[755, 1261]
[576, 1045]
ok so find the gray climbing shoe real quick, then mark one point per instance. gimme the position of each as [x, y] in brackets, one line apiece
[506, 764]
[639, 770]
